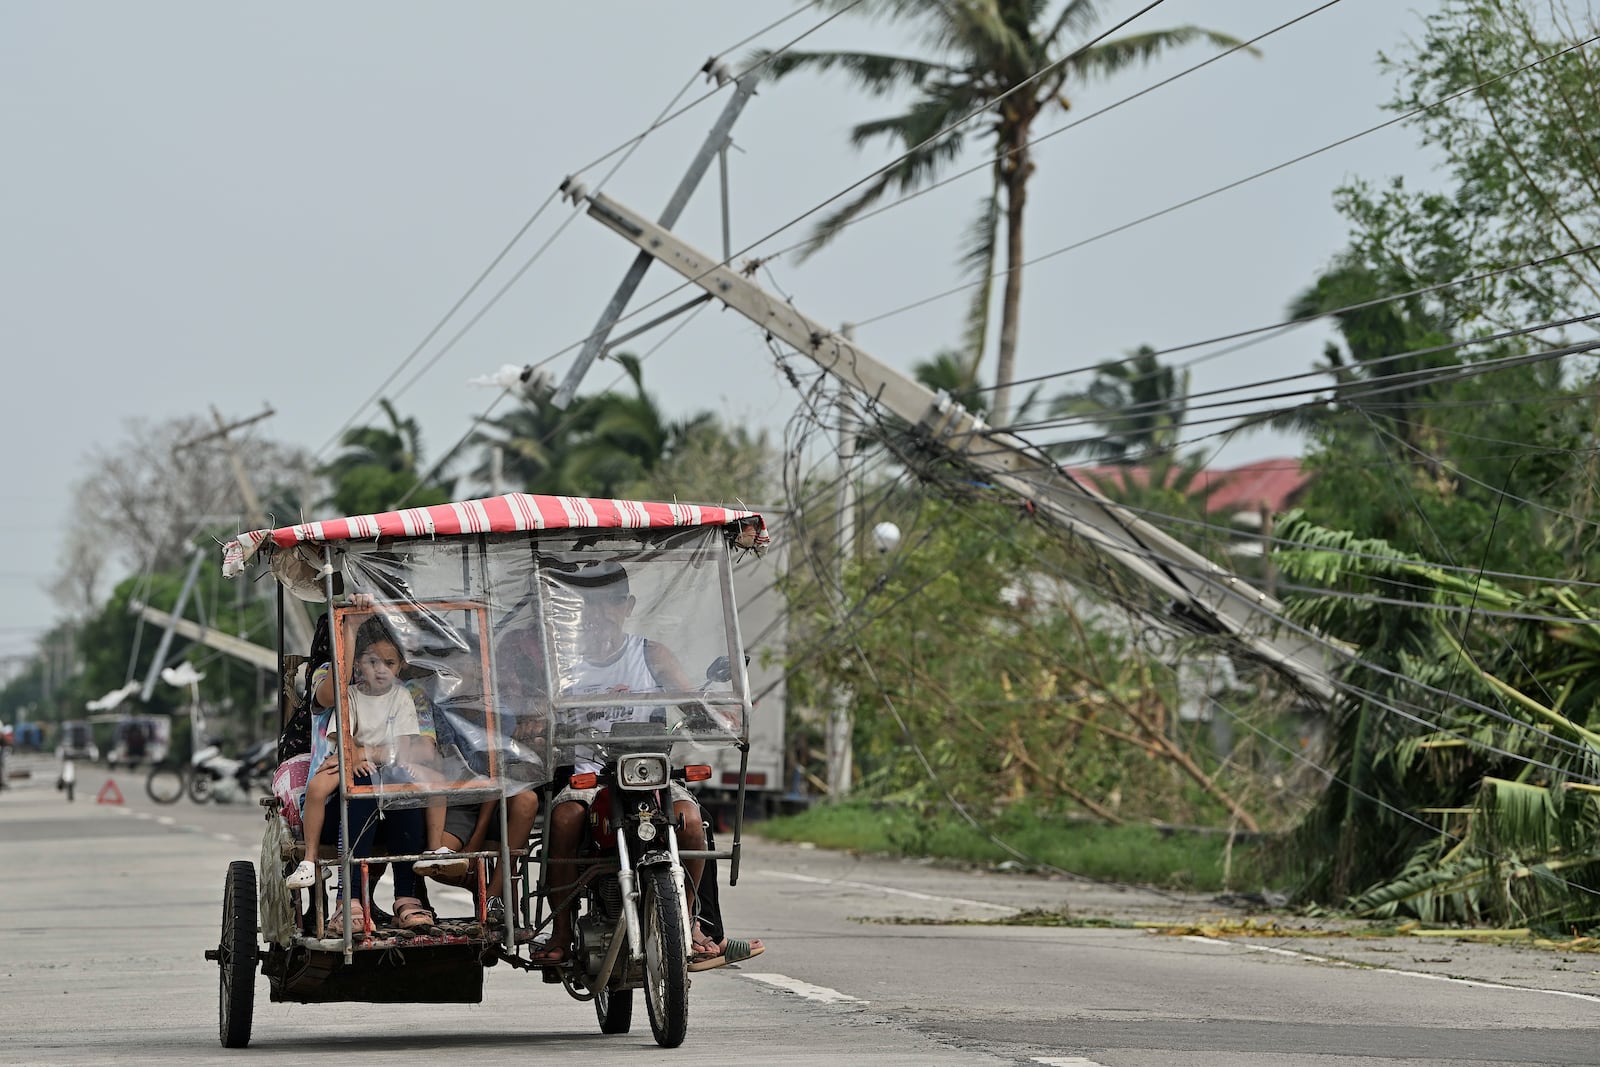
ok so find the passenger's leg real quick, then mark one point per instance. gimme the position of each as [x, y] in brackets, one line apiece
[319, 789]
[434, 821]
[693, 837]
[322, 785]
[450, 830]
[566, 827]
[712, 945]
[708, 901]
[363, 818]
[522, 809]
[403, 832]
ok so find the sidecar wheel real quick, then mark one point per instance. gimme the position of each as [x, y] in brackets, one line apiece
[666, 958]
[614, 1008]
[236, 989]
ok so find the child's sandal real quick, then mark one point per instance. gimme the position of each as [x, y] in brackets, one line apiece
[409, 914]
[333, 926]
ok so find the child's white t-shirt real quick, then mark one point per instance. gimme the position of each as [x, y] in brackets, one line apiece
[381, 719]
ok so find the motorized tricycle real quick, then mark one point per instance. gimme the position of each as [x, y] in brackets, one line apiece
[585, 650]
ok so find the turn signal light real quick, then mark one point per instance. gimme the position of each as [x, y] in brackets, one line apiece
[586, 780]
[697, 772]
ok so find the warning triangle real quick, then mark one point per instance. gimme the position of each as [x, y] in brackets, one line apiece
[109, 793]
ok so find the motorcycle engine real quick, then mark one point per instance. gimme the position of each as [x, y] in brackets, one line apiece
[608, 898]
[593, 940]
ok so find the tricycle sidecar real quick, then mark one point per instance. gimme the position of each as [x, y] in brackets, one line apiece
[499, 690]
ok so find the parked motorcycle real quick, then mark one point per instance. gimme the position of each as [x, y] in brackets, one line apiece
[213, 776]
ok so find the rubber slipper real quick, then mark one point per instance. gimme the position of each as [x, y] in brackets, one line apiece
[737, 950]
[548, 956]
[707, 961]
[733, 950]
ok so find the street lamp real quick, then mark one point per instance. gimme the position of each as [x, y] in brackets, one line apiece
[885, 537]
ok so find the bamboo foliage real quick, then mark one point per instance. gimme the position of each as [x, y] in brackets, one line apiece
[1463, 732]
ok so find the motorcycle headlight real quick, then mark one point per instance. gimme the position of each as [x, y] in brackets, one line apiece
[647, 770]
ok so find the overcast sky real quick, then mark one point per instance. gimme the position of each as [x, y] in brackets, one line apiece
[245, 205]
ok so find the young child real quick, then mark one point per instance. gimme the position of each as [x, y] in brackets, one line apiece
[388, 737]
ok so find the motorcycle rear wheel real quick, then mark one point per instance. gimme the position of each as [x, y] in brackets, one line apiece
[614, 1008]
[165, 784]
[666, 957]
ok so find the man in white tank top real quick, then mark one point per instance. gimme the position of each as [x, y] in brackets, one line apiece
[613, 661]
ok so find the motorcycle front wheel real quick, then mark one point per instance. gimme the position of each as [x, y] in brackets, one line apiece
[666, 957]
[165, 783]
[201, 787]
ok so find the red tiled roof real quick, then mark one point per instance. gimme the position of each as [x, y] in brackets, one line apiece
[1271, 483]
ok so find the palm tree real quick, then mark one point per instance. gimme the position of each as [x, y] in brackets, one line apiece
[380, 466]
[1139, 405]
[956, 373]
[602, 444]
[1009, 58]
[1377, 338]
[531, 440]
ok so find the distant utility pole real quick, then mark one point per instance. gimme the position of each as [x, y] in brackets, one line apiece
[715, 147]
[299, 630]
[160, 658]
[841, 727]
[1200, 596]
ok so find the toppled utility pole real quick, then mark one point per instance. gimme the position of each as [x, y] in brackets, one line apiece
[1202, 595]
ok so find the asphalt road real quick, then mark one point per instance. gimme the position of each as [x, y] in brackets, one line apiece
[106, 909]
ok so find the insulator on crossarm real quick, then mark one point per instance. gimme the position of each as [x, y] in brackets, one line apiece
[716, 70]
[572, 189]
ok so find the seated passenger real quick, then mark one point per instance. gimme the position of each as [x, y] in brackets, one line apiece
[464, 747]
[612, 661]
[386, 728]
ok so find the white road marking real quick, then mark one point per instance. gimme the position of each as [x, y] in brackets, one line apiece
[166, 820]
[890, 890]
[1473, 982]
[1067, 1061]
[225, 837]
[820, 994]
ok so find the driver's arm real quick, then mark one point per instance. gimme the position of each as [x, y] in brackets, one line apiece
[665, 668]
[670, 675]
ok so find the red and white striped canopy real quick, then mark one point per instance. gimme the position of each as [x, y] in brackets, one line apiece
[497, 514]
